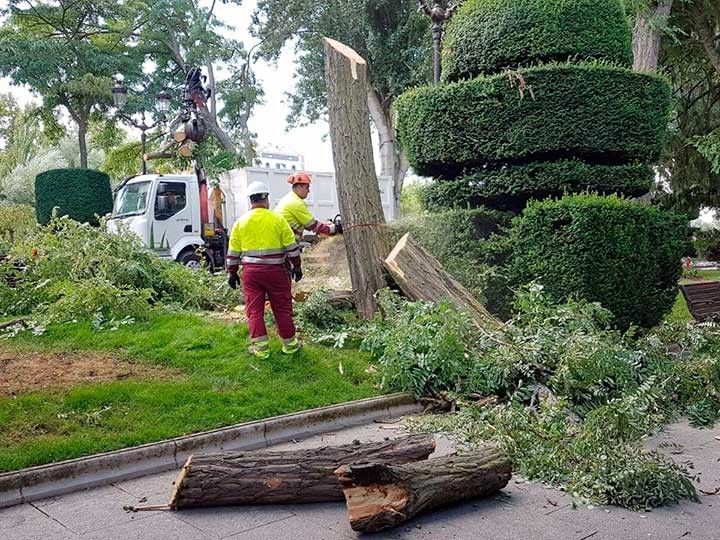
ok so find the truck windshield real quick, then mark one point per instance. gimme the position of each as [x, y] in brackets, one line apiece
[131, 200]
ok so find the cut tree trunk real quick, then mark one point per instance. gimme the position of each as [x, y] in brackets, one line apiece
[299, 476]
[647, 36]
[379, 496]
[421, 277]
[357, 185]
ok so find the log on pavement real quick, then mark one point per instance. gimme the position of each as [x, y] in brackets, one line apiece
[379, 496]
[279, 477]
[421, 277]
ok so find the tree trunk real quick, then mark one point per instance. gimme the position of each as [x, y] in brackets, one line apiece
[422, 277]
[647, 36]
[357, 185]
[393, 162]
[301, 476]
[82, 142]
[380, 496]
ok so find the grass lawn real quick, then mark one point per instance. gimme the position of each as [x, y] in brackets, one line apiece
[215, 383]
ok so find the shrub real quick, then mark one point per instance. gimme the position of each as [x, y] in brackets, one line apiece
[594, 112]
[15, 221]
[486, 36]
[511, 187]
[77, 193]
[605, 249]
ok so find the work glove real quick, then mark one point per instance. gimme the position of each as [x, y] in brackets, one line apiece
[233, 280]
[338, 227]
[296, 273]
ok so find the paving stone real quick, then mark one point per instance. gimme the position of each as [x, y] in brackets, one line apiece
[324, 521]
[159, 526]
[94, 508]
[155, 484]
[25, 522]
[230, 520]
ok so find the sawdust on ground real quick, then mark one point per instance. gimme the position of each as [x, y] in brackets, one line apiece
[325, 266]
[31, 371]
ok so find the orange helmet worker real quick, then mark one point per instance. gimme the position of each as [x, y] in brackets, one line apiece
[295, 211]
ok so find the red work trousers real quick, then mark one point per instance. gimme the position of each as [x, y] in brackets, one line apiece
[271, 281]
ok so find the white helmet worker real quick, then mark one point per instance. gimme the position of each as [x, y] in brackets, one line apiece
[257, 188]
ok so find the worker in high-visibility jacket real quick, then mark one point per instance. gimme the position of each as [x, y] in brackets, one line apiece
[264, 245]
[295, 211]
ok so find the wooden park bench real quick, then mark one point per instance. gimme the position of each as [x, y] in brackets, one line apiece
[703, 299]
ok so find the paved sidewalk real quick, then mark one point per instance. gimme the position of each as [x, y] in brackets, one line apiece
[523, 511]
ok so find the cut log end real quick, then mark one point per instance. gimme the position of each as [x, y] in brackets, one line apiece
[179, 481]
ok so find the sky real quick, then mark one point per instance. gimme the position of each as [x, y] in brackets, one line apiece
[269, 119]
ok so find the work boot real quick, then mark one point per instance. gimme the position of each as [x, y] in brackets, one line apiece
[260, 349]
[291, 346]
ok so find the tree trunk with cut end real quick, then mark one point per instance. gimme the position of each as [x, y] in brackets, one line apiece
[422, 277]
[379, 496]
[300, 476]
[357, 184]
[647, 36]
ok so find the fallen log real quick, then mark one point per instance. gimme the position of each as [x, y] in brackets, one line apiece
[280, 477]
[380, 496]
[421, 277]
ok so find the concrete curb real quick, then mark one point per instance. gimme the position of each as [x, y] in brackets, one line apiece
[56, 479]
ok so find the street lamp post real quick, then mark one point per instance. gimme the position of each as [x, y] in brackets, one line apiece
[162, 104]
[438, 13]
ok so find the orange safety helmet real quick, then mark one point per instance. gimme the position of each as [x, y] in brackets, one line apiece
[299, 178]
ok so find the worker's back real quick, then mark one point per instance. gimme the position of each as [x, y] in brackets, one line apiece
[261, 237]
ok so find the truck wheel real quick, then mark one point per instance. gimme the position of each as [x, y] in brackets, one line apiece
[190, 259]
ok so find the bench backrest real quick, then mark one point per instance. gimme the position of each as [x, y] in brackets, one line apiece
[703, 299]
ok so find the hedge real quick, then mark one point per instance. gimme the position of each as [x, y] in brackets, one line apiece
[487, 36]
[77, 193]
[624, 255]
[594, 112]
[511, 187]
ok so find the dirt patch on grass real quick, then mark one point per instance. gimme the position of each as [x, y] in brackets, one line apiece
[27, 372]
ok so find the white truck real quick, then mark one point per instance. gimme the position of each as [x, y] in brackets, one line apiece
[175, 215]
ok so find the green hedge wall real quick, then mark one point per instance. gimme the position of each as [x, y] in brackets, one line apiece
[593, 112]
[511, 187]
[625, 255]
[487, 36]
[78, 193]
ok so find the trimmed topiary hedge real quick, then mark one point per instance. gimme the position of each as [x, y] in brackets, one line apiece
[487, 36]
[593, 112]
[78, 193]
[625, 255]
[511, 187]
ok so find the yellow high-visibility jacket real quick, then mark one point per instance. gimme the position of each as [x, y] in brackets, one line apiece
[299, 217]
[262, 237]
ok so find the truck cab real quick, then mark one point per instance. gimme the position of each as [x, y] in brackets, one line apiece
[165, 212]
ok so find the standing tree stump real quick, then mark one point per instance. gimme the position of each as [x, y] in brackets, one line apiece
[379, 495]
[281, 477]
[357, 184]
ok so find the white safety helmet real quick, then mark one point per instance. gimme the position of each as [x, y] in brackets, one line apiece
[257, 188]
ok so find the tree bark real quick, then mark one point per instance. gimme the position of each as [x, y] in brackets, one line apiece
[422, 277]
[357, 185]
[380, 496]
[393, 162]
[301, 476]
[647, 36]
[82, 142]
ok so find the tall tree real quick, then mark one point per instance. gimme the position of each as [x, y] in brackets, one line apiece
[650, 22]
[390, 34]
[690, 56]
[180, 34]
[66, 51]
